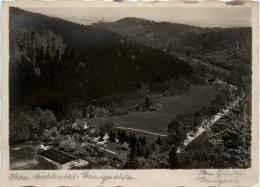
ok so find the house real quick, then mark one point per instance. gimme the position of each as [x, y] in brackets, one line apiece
[44, 146]
[85, 125]
[75, 127]
[125, 146]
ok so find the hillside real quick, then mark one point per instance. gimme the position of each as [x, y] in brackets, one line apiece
[54, 62]
[179, 37]
[228, 48]
[150, 33]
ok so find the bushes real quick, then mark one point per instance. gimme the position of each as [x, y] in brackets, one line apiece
[119, 111]
[75, 109]
[67, 145]
[47, 120]
[226, 145]
[182, 124]
[24, 128]
[29, 125]
[47, 134]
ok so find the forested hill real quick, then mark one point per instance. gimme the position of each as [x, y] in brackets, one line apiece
[53, 61]
[228, 48]
[73, 34]
[151, 33]
[179, 37]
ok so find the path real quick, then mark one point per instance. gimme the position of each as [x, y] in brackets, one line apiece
[107, 150]
[142, 131]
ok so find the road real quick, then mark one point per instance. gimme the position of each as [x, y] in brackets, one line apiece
[206, 124]
[107, 150]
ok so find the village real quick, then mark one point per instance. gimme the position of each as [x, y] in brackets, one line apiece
[103, 146]
[81, 144]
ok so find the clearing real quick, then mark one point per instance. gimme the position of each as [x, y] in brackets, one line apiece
[195, 98]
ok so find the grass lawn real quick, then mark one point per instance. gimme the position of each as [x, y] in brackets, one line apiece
[195, 98]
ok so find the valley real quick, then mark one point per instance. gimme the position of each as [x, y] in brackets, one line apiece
[128, 94]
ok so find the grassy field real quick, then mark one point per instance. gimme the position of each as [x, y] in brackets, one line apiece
[197, 97]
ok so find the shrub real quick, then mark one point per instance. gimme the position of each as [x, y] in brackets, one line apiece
[47, 120]
[23, 128]
[119, 111]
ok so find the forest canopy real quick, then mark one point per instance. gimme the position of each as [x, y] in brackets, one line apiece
[53, 61]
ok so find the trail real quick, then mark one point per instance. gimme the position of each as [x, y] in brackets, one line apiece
[142, 131]
[107, 150]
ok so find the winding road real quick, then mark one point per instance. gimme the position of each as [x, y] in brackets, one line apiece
[210, 123]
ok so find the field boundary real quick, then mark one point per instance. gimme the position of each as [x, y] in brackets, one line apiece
[164, 135]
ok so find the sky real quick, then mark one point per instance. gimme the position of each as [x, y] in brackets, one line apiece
[204, 17]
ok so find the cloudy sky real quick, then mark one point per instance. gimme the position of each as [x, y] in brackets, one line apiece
[205, 17]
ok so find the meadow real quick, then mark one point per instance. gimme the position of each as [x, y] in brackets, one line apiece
[192, 100]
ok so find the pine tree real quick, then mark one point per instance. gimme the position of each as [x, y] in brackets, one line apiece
[159, 140]
[111, 137]
[127, 139]
[84, 115]
[123, 136]
[147, 102]
[119, 135]
[144, 141]
[132, 162]
[130, 137]
[173, 158]
[147, 153]
[134, 140]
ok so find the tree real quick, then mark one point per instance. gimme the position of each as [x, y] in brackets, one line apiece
[84, 113]
[147, 102]
[159, 140]
[140, 148]
[47, 121]
[109, 126]
[173, 158]
[130, 137]
[144, 141]
[158, 159]
[127, 138]
[46, 135]
[227, 145]
[147, 153]
[72, 146]
[133, 141]
[18, 133]
[132, 162]
[122, 136]
[112, 137]
[38, 113]
[140, 139]
[176, 129]
[118, 134]
[23, 128]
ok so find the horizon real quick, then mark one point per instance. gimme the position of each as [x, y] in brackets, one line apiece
[215, 17]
